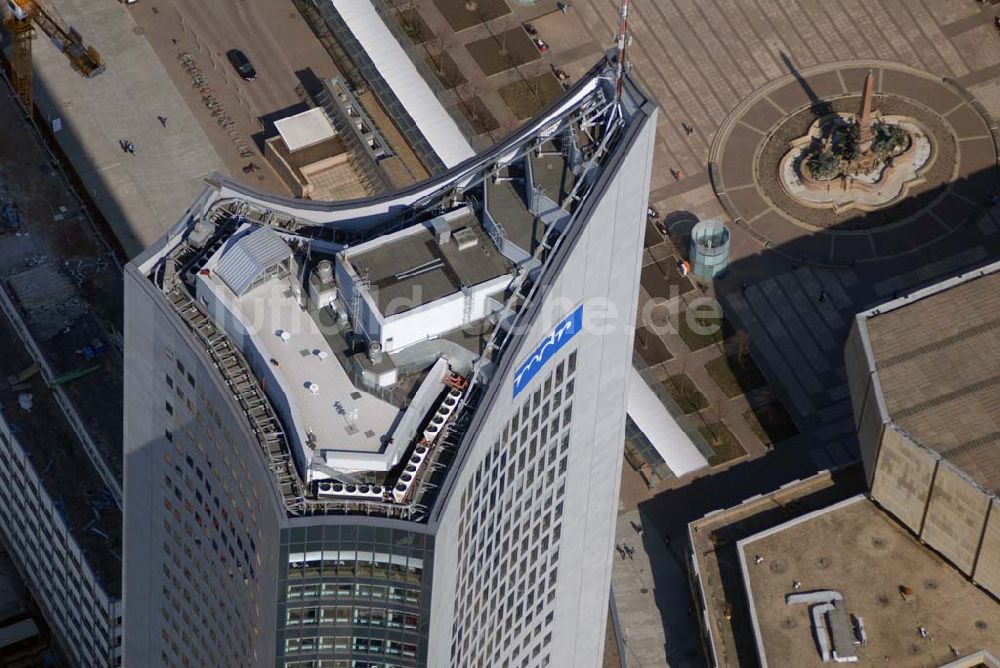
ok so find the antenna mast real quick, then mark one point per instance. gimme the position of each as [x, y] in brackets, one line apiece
[622, 43]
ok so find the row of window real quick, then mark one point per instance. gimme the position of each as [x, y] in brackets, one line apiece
[350, 644]
[208, 517]
[323, 615]
[340, 663]
[60, 582]
[509, 531]
[361, 564]
[356, 591]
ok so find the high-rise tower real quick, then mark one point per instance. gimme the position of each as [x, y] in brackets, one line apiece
[388, 432]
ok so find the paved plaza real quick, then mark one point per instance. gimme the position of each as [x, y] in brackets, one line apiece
[140, 195]
[702, 59]
[725, 74]
[953, 192]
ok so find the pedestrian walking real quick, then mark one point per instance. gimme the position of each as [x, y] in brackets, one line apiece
[563, 6]
[162, 120]
[822, 296]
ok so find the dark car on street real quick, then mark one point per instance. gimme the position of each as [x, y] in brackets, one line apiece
[241, 64]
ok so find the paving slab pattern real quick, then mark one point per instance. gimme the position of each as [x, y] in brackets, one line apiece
[740, 150]
[702, 57]
[140, 195]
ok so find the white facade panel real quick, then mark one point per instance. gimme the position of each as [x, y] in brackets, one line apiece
[667, 437]
[443, 315]
[601, 273]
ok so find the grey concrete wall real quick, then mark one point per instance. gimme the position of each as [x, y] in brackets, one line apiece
[902, 482]
[858, 371]
[866, 396]
[871, 424]
[955, 517]
[987, 573]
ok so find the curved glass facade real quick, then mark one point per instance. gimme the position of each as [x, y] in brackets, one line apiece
[709, 248]
[353, 596]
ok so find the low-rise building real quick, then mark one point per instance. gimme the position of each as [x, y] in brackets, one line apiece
[896, 560]
[924, 373]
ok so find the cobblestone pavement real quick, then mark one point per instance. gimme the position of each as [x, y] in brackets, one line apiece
[963, 165]
[701, 59]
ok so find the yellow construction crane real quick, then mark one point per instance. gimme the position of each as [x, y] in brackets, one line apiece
[22, 16]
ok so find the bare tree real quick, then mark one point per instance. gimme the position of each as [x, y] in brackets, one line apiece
[742, 348]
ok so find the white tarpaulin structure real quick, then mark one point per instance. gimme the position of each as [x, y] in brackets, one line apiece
[657, 425]
[399, 73]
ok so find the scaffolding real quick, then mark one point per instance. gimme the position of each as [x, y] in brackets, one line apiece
[256, 407]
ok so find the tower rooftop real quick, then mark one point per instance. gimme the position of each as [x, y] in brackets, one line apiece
[367, 330]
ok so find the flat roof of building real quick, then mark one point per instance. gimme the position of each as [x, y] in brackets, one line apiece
[409, 271]
[551, 172]
[305, 129]
[320, 392]
[714, 540]
[938, 363]
[886, 577]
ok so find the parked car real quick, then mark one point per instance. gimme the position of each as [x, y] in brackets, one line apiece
[241, 64]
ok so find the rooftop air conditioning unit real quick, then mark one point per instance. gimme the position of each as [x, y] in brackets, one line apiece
[465, 238]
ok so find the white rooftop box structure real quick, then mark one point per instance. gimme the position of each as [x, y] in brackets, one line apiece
[423, 281]
[305, 129]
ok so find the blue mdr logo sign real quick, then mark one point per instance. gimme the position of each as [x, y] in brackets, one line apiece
[550, 345]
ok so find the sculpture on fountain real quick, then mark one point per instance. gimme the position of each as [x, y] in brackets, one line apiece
[864, 160]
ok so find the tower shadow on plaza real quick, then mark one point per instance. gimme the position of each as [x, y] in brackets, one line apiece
[946, 218]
